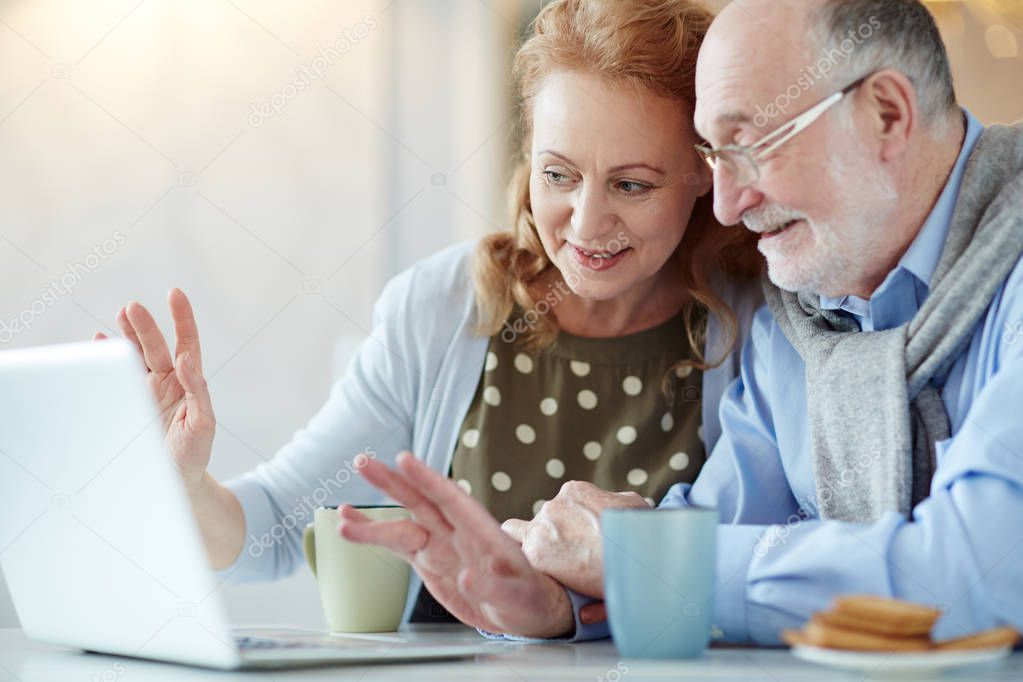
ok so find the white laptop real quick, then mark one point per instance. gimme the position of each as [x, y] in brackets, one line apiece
[97, 540]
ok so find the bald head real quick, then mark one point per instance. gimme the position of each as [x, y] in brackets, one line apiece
[780, 50]
[833, 189]
[766, 26]
[752, 52]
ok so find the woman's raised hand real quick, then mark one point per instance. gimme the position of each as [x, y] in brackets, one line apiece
[177, 382]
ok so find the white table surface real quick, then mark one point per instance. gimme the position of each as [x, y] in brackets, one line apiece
[24, 660]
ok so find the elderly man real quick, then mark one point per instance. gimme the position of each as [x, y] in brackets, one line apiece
[874, 441]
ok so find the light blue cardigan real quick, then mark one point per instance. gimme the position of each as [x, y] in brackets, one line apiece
[408, 387]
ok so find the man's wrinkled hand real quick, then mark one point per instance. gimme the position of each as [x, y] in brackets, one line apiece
[563, 540]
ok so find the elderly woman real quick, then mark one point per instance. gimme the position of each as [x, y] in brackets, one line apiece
[591, 342]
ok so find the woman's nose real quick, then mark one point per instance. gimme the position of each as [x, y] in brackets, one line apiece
[591, 214]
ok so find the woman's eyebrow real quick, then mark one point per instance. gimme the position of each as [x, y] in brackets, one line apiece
[630, 166]
[554, 153]
[616, 169]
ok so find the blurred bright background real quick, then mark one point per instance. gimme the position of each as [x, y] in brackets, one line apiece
[279, 162]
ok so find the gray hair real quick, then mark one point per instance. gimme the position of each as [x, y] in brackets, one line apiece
[895, 34]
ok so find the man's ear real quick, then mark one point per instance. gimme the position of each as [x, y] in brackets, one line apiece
[889, 98]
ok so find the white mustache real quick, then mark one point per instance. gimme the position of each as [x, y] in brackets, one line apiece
[767, 218]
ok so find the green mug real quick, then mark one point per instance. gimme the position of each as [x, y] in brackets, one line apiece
[363, 588]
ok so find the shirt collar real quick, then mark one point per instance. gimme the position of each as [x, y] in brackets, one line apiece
[922, 257]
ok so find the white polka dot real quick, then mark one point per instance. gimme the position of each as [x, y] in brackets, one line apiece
[699, 433]
[501, 481]
[523, 363]
[587, 399]
[679, 461]
[537, 505]
[636, 477]
[580, 369]
[491, 362]
[465, 485]
[650, 501]
[632, 385]
[492, 396]
[626, 435]
[555, 468]
[525, 433]
[667, 422]
[470, 438]
[592, 450]
[683, 372]
[548, 406]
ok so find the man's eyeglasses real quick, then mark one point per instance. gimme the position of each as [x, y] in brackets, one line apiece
[744, 162]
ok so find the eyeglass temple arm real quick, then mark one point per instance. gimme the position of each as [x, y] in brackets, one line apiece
[772, 141]
[800, 123]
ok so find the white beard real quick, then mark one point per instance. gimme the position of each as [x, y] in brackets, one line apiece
[829, 257]
[806, 261]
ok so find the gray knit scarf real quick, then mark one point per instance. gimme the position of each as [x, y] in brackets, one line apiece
[874, 406]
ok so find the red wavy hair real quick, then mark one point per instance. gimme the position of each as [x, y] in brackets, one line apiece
[649, 43]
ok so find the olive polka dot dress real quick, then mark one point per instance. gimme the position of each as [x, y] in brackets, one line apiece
[586, 409]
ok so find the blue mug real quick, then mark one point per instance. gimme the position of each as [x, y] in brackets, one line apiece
[659, 580]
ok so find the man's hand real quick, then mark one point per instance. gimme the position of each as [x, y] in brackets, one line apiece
[563, 540]
[476, 571]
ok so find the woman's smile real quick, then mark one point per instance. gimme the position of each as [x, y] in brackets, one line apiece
[597, 261]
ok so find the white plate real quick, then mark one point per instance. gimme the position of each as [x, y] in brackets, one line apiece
[896, 665]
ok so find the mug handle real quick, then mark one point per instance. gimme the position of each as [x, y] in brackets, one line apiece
[309, 546]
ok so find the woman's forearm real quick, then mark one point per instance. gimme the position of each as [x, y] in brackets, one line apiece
[221, 521]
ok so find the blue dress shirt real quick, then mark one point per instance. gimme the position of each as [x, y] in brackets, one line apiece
[778, 562]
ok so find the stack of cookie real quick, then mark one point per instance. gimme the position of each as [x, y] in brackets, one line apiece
[865, 623]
